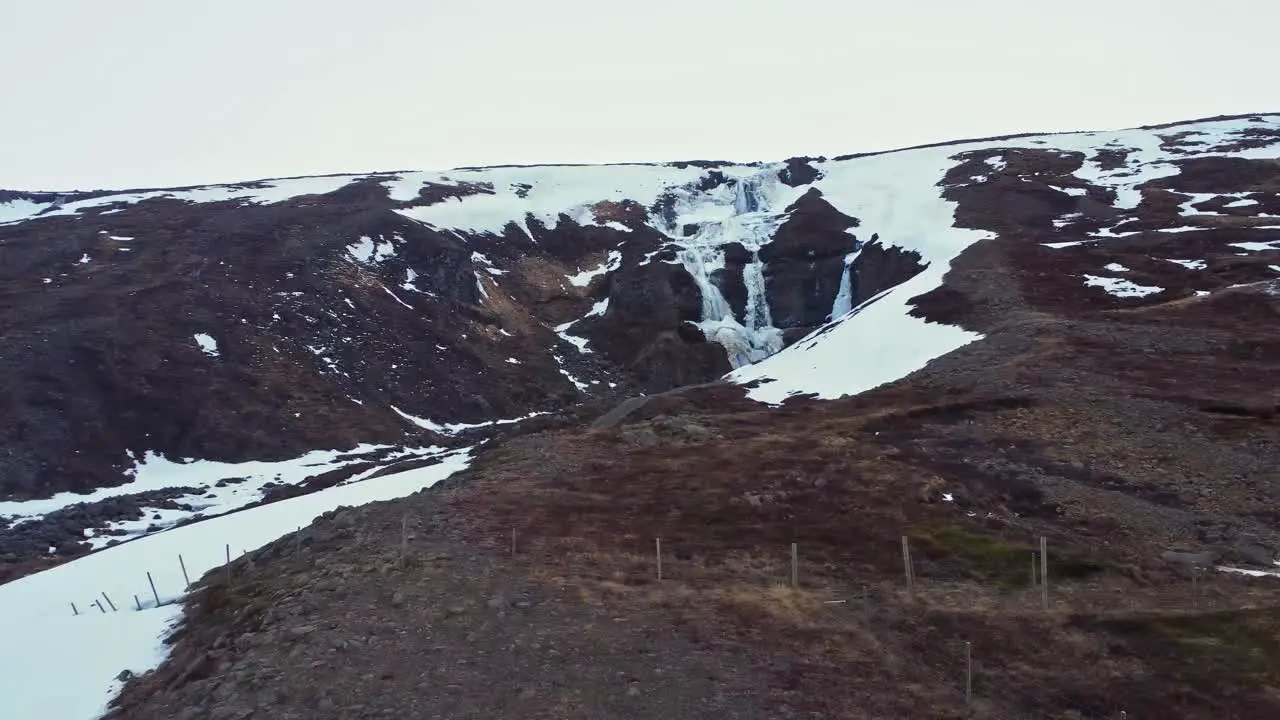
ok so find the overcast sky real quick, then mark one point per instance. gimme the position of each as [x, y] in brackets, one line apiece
[130, 93]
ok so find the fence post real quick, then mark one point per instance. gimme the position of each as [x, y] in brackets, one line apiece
[99, 604]
[657, 546]
[137, 602]
[906, 563]
[74, 610]
[1044, 572]
[113, 605]
[153, 588]
[795, 566]
[228, 564]
[185, 577]
[968, 672]
[404, 538]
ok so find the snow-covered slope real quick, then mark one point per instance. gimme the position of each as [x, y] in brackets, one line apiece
[899, 196]
[64, 646]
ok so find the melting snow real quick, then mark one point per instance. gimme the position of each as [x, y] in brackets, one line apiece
[1189, 264]
[578, 342]
[207, 344]
[576, 382]
[387, 290]
[44, 640]
[18, 210]
[273, 191]
[584, 278]
[1121, 288]
[1072, 191]
[455, 428]
[1115, 267]
[369, 251]
[1257, 246]
[544, 193]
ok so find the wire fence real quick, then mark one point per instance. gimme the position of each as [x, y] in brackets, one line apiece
[1015, 578]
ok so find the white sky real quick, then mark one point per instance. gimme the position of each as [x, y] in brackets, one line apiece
[130, 93]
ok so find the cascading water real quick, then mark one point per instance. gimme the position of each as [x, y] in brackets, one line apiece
[844, 296]
[745, 218]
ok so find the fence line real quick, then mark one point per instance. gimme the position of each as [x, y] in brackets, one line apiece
[1039, 580]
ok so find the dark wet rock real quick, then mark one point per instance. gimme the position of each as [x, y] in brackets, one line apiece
[805, 261]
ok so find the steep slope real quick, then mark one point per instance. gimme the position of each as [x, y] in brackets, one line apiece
[267, 320]
[370, 314]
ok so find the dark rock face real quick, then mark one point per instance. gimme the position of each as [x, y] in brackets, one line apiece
[799, 172]
[805, 261]
[878, 268]
[730, 278]
[671, 361]
[312, 306]
[646, 327]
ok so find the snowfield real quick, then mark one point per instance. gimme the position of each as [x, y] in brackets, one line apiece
[897, 195]
[216, 487]
[63, 666]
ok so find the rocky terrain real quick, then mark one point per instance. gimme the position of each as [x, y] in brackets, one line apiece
[1078, 348]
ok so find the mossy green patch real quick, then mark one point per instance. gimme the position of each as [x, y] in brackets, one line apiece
[1242, 642]
[958, 550]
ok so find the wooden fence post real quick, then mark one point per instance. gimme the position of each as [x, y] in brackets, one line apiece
[1043, 573]
[137, 602]
[113, 605]
[74, 609]
[153, 588]
[99, 604]
[228, 563]
[968, 672]
[795, 566]
[906, 563]
[185, 577]
[404, 538]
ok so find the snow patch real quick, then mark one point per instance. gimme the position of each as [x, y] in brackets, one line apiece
[1121, 288]
[207, 344]
[584, 277]
[455, 428]
[370, 251]
[43, 639]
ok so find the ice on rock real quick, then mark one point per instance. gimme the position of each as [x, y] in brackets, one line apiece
[742, 212]
[844, 296]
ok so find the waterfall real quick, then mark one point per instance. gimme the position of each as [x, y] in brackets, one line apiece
[701, 262]
[844, 297]
[740, 215]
